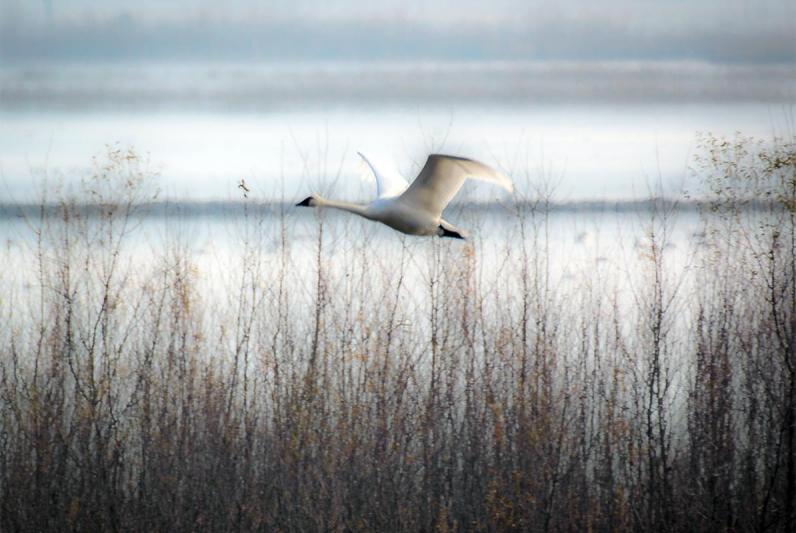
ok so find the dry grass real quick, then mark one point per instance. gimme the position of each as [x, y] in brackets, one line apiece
[437, 388]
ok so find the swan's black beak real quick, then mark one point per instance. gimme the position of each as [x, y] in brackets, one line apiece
[305, 202]
[449, 233]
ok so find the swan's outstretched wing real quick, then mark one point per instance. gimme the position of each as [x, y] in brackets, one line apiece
[388, 183]
[443, 176]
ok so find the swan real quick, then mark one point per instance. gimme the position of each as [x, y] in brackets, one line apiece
[416, 209]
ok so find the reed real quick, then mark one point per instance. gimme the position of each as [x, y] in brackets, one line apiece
[440, 386]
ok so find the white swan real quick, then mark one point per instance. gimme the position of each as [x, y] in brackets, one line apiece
[417, 209]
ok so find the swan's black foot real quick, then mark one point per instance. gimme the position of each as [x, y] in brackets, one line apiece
[449, 233]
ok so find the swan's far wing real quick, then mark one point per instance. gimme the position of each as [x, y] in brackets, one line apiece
[443, 176]
[388, 183]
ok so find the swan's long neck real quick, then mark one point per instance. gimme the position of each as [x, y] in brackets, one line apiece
[357, 209]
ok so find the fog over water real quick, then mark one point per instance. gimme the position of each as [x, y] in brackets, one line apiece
[603, 97]
[601, 130]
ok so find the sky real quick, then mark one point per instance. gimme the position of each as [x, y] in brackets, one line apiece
[725, 31]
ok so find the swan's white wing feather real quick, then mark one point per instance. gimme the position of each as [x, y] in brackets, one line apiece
[443, 176]
[388, 182]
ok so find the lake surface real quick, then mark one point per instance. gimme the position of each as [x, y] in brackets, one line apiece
[591, 151]
[574, 250]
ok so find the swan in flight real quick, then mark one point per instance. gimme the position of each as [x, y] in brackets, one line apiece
[416, 209]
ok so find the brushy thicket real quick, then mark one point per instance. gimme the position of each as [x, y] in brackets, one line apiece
[409, 393]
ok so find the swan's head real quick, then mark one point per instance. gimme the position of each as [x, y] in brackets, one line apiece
[309, 201]
[452, 233]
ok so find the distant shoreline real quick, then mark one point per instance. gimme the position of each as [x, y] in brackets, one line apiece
[212, 208]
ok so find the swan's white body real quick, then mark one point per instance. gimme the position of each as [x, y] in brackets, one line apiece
[416, 209]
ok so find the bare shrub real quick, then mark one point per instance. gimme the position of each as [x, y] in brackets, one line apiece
[331, 375]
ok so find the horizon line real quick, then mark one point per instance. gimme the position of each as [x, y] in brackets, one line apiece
[198, 208]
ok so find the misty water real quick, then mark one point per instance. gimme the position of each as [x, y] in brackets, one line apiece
[601, 131]
[576, 249]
